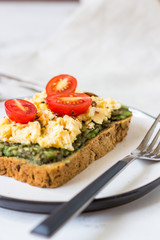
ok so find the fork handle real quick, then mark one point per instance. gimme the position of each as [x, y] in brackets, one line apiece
[79, 202]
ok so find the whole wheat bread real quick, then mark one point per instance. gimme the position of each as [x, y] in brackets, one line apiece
[53, 175]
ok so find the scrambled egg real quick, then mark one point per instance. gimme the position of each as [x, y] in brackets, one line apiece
[50, 130]
[100, 110]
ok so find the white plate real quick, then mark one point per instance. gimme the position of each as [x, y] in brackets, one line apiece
[137, 174]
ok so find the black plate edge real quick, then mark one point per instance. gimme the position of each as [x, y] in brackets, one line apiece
[96, 205]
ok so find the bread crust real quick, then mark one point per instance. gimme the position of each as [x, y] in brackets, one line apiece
[56, 174]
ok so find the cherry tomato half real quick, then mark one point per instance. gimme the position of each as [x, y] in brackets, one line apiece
[69, 104]
[20, 111]
[61, 84]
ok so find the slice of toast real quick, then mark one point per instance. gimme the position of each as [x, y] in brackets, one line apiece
[53, 175]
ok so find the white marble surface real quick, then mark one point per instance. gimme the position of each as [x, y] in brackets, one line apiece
[25, 26]
[113, 49]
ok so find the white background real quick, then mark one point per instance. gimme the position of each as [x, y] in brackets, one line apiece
[113, 49]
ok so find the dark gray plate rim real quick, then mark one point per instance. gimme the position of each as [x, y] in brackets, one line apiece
[96, 205]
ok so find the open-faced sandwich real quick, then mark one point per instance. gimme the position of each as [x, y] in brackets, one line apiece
[47, 140]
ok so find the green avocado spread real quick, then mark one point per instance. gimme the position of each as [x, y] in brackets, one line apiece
[38, 155]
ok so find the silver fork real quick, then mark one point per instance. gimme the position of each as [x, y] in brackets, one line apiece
[149, 149]
[33, 86]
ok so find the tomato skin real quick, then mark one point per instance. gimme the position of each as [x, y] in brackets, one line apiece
[20, 111]
[69, 104]
[61, 84]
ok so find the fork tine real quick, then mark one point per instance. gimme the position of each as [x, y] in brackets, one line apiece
[155, 158]
[156, 150]
[147, 137]
[150, 147]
